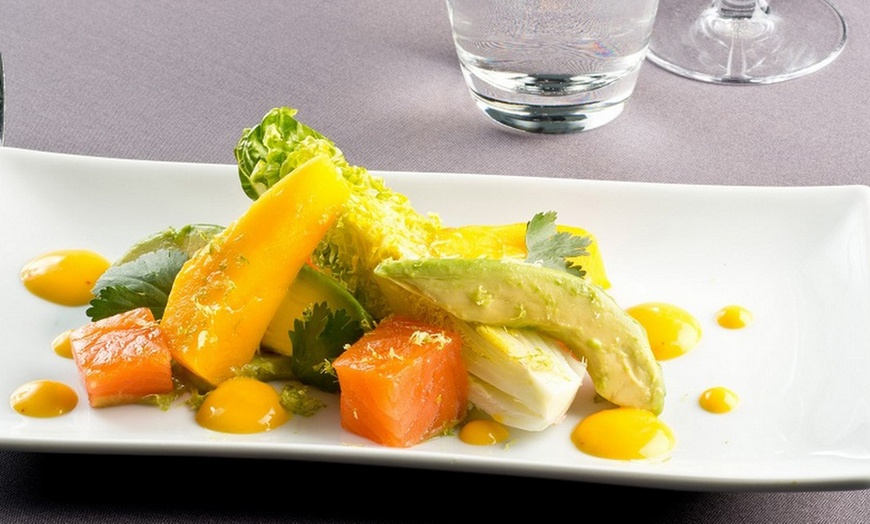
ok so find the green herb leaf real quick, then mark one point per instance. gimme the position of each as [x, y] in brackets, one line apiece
[143, 276]
[318, 339]
[551, 248]
[143, 282]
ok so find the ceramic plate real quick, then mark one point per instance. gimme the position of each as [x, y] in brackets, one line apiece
[796, 257]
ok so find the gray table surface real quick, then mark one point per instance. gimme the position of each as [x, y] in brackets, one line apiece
[178, 81]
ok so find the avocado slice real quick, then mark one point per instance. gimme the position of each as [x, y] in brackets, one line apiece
[583, 316]
[187, 239]
[309, 287]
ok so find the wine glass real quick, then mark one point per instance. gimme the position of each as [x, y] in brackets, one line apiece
[746, 41]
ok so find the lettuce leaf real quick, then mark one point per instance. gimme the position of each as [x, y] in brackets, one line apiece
[268, 151]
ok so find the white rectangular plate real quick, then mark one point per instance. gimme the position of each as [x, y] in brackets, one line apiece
[796, 257]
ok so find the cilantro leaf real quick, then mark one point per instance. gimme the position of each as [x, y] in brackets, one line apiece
[551, 248]
[143, 276]
[318, 338]
[142, 282]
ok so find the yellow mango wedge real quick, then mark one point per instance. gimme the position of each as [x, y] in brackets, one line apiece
[225, 296]
[509, 241]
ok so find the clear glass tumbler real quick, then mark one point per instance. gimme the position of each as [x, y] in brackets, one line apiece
[551, 66]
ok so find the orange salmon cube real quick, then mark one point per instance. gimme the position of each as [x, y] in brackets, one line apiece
[122, 358]
[402, 383]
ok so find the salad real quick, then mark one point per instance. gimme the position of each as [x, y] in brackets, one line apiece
[332, 280]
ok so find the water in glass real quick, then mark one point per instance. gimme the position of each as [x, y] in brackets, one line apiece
[551, 66]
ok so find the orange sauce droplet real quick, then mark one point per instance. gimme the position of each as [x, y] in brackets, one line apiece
[734, 317]
[61, 344]
[623, 434]
[43, 398]
[483, 432]
[242, 405]
[672, 331]
[64, 277]
[719, 400]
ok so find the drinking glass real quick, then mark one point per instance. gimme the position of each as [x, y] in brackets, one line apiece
[746, 41]
[551, 66]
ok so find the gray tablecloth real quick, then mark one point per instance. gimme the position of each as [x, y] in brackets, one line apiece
[178, 81]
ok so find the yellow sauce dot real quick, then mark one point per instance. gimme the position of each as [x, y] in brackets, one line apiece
[672, 331]
[719, 400]
[734, 317]
[242, 405]
[43, 398]
[64, 277]
[61, 344]
[483, 432]
[623, 434]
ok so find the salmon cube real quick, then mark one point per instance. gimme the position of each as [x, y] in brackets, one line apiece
[122, 358]
[402, 383]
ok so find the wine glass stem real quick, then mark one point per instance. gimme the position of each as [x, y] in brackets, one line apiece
[740, 8]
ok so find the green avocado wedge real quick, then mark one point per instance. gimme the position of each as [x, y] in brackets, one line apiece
[187, 239]
[583, 316]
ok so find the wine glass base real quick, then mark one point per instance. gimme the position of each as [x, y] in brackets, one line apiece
[789, 39]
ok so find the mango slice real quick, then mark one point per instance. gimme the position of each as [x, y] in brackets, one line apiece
[225, 296]
[509, 241]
